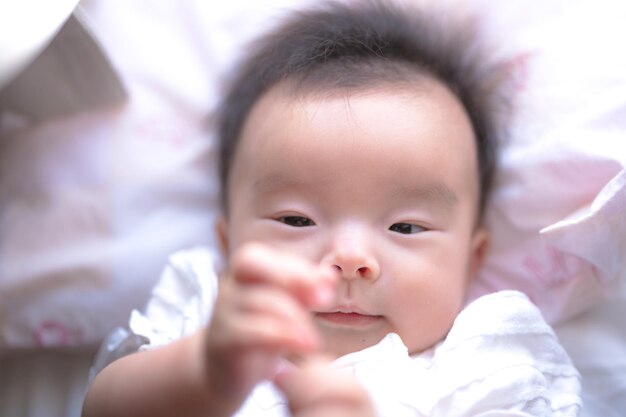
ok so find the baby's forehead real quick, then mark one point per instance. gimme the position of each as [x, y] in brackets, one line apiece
[390, 132]
[417, 106]
[291, 93]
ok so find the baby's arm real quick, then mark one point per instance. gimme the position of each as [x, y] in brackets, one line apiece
[261, 313]
[164, 381]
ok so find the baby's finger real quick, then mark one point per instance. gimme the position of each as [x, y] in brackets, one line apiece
[311, 284]
[317, 390]
[272, 335]
[295, 321]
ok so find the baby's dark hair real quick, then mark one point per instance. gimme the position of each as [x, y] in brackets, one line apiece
[364, 44]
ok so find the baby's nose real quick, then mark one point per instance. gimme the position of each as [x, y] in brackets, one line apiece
[353, 260]
[366, 272]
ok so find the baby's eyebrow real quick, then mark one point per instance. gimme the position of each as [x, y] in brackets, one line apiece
[272, 182]
[435, 192]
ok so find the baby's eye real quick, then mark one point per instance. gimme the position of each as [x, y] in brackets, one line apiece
[296, 221]
[406, 228]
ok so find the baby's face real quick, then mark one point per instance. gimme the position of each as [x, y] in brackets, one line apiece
[383, 185]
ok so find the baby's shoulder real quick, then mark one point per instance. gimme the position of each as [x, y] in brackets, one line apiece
[499, 314]
[502, 354]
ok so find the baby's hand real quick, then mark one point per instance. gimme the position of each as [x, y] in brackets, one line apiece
[316, 390]
[262, 313]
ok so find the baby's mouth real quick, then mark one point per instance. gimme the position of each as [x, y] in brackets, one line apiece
[348, 318]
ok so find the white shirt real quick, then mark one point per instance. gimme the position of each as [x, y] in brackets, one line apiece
[500, 357]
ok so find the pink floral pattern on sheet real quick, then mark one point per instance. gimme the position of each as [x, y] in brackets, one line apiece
[53, 333]
[165, 131]
[551, 266]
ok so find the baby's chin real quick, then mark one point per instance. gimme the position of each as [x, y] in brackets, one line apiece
[344, 343]
[338, 347]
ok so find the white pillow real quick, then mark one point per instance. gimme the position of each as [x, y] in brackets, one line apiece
[566, 144]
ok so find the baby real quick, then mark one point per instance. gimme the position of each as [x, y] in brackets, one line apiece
[357, 154]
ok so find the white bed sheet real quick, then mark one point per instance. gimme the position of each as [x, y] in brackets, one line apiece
[596, 342]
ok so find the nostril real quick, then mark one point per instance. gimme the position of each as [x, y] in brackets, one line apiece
[363, 271]
[338, 268]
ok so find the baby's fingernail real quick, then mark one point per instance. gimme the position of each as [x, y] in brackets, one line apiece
[281, 377]
[281, 367]
[324, 294]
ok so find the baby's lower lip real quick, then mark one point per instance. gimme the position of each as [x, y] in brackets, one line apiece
[348, 319]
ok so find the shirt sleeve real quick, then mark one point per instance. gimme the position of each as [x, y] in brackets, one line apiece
[181, 303]
[502, 359]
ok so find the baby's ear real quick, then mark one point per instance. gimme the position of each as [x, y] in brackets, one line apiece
[481, 241]
[221, 229]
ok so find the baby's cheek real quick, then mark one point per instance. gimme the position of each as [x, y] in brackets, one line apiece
[423, 318]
